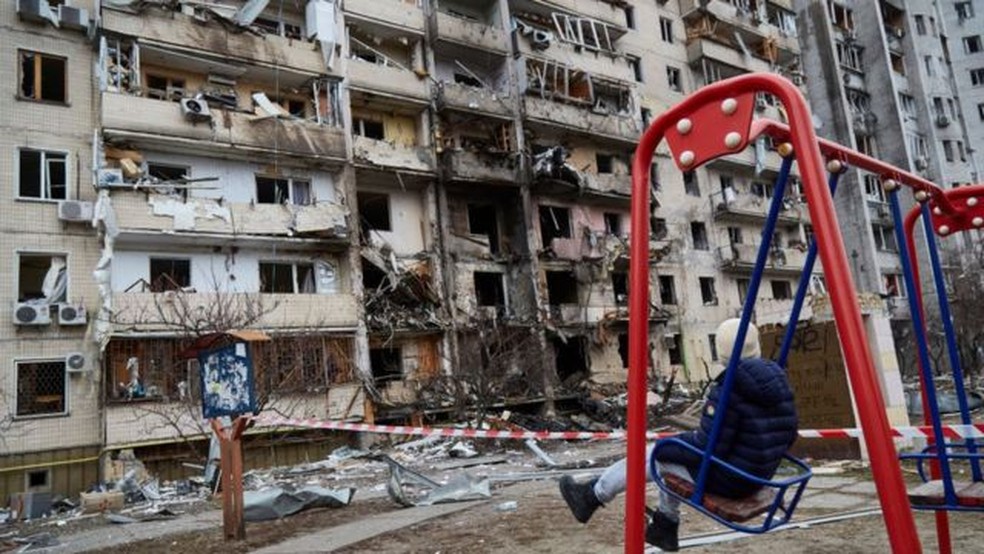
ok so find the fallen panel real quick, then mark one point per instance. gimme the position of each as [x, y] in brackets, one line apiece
[278, 503]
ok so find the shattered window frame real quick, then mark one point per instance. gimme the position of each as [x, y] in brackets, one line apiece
[708, 291]
[42, 388]
[173, 90]
[384, 357]
[172, 273]
[698, 233]
[300, 278]
[667, 290]
[375, 223]
[781, 289]
[49, 187]
[560, 219]
[295, 191]
[42, 263]
[483, 279]
[33, 85]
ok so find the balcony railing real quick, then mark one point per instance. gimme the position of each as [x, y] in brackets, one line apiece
[474, 34]
[397, 13]
[741, 258]
[464, 165]
[623, 128]
[392, 154]
[160, 122]
[386, 79]
[753, 208]
[475, 100]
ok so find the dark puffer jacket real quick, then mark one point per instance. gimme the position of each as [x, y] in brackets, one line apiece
[758, 429]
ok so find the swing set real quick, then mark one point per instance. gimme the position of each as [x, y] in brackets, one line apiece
[716, 121]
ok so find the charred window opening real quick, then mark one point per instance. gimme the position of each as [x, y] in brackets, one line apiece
[369, 128]
[167, 172]
[698, 232]
[613, 224]
[782, 290]
[169, 274]
[41, 276]
[623, 348]
[620, 287]
[605, 163]
[483, 220]
[272, 191]
[555, 223]
[43, 77]
[38, 479]
[675, 349]
[657, 225]
[489, 290]
[561, 288]
[290, 278]
[466, 79]
[570, 357]
[386, 363]
[690, 184]
[712, 343]
[708, 291]
[667, 290]
[165, 88]
[40, 388]
[374, 212]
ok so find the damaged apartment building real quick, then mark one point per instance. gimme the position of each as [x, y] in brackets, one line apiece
[406, 206]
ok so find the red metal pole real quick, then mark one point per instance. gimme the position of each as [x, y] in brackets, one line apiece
[847, 314]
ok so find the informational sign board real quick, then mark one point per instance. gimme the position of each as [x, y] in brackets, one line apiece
[819, 381]
[227, 381]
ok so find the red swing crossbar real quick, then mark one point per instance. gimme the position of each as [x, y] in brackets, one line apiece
[717, 121]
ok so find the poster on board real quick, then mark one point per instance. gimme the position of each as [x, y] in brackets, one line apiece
[227, 381]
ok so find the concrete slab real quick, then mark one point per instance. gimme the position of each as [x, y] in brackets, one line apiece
[333, 538]
[834, 501]
[823, 482]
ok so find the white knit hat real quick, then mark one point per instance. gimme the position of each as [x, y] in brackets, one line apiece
[724, 338]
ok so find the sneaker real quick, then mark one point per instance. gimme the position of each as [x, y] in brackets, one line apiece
[580, 497]
[662, 533]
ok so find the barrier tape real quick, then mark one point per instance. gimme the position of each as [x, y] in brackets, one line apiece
[975, 430]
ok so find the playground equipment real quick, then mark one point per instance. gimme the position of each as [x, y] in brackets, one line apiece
[716, 121]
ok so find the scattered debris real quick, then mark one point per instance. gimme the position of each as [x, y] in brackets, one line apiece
[277, 503]
[508, 506]
[409, 488]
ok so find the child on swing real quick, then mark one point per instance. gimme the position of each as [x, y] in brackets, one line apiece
[758, 429]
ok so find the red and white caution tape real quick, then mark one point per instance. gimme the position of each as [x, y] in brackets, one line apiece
[975, 430]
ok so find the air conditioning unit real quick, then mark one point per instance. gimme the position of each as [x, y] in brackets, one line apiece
[195, 109]
[32, 314]
[73, 18]
[71, 314]
[38, 11]
[109, 177]
[76, 362]
[942, 120]
[75, 210]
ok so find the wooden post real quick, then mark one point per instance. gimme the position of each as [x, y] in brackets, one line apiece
[231, 451]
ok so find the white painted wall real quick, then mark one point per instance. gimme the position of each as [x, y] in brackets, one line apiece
[208, 271]
[237, 180]
[408, 221]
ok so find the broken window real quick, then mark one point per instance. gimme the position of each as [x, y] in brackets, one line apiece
[42, 174]
[583, 32]
[369, 128]
[629, 17]
[712, 344]
[734, 235]
[849, 55]
[613, 224]
[41, 277]
[690, 184]
[894, 285]
[160, 87]
[636, 65]
[667, 290]
[386, 363]
[41, 388]
[743, 285]
[120, 63]
[570, 357]
[38, 480]
[274, 190]
[163, 173]
[561, 288]
[657, 226]
[43, 77]
[623, 349]
[551, 79]
[279, 28]
[620, 287]
[884, 238]
[555, 223]
[169, 274]
[708, 294]
[483, 220]
[666, 29]
[489, 290]
[674, 79]
[782, 290]
[698, 232]
[843, 17]
[392, 51]
[675, 349]
[466, 79]
[605, 163]
[374, 212]
[287, 277]
[763, 190]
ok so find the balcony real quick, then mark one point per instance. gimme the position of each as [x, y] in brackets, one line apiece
[588, 61]
[702, 48]
[139, 213]
[745, 160]
[393, 155]
[599, 10]
[567, 117]
[610, 184]
[751, 25]
[751, 208]
[136, 311]
[740, 258]
[180, 31]
[392, 13]
[463, 165]
[472, 34]
[454, 96]
[387, 80]
[161, 123]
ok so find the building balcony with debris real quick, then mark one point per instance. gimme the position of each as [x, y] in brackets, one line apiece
[406, 16]
[608, 12]
[602, 121]
[586, 171]
[276, 41]
[740, 258]
[390, 135]
[766, 29]
[473, 24]
[478, 149]
[750, 203]
[387, 62]
[473, 83]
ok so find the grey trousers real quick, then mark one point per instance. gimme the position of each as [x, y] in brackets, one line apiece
[613, 482]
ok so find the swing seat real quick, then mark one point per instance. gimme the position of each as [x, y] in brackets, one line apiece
[738, 510]
[969, 494]
[770, 501]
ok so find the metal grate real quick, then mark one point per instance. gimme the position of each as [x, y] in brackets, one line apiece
[40, 388]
